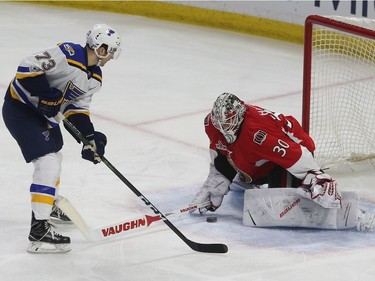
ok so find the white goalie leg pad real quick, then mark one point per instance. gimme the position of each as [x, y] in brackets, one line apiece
[242, 186]
[283, 207]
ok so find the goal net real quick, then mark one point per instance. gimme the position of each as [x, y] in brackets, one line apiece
[339, 88]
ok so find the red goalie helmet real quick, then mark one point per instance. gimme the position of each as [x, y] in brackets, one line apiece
[227, 115]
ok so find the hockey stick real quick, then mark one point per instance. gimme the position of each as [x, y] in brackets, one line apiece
[199, 247]
[115, 229]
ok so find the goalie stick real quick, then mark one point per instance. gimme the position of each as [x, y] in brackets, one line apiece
[115, 229]
[199, 247]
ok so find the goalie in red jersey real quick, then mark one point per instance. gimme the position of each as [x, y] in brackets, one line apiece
[255, 146]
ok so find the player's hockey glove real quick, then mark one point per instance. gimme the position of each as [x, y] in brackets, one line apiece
[95, 150]
[321, 188]
[213, 190]
[50, 106]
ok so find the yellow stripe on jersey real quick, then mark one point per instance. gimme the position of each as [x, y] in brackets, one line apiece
[78, 111]
[97, 76]
[14, 94]
[77, 64]
[43, 199]
[28, 75]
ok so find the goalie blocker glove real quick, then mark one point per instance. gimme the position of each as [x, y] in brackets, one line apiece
[320, 188]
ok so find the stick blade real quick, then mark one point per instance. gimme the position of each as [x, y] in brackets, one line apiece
[199, 247]
[208, 248]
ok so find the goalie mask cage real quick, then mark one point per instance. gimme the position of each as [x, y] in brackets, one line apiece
[339, 88]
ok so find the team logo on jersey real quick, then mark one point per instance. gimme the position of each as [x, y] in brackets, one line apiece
[260, 137]
[243, 176]
[72, 92]
[46, 135]
[69, 49]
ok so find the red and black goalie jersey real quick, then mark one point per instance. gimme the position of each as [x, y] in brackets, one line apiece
[265, 140]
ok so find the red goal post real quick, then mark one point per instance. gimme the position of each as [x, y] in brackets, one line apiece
[339, 88]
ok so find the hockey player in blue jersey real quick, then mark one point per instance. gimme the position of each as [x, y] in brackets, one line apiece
[60, 79]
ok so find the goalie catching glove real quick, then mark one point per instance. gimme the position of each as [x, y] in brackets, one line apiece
[95, 150]
[320, 188]
[213, 190]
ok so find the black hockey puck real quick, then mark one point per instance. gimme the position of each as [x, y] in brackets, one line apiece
[211, 219]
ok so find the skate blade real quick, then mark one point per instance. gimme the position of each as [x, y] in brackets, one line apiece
[47, 248]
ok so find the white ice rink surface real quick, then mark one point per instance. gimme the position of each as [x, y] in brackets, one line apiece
[151, 108]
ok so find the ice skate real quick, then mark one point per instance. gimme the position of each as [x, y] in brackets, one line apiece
[44, 239]
[366, 220]
[58, 216]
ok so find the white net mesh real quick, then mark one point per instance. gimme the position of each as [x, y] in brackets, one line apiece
[342, 102]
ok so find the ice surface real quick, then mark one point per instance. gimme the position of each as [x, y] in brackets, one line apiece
[151, 107]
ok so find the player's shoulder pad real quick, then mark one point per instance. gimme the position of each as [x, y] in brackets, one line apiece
[75, 55]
